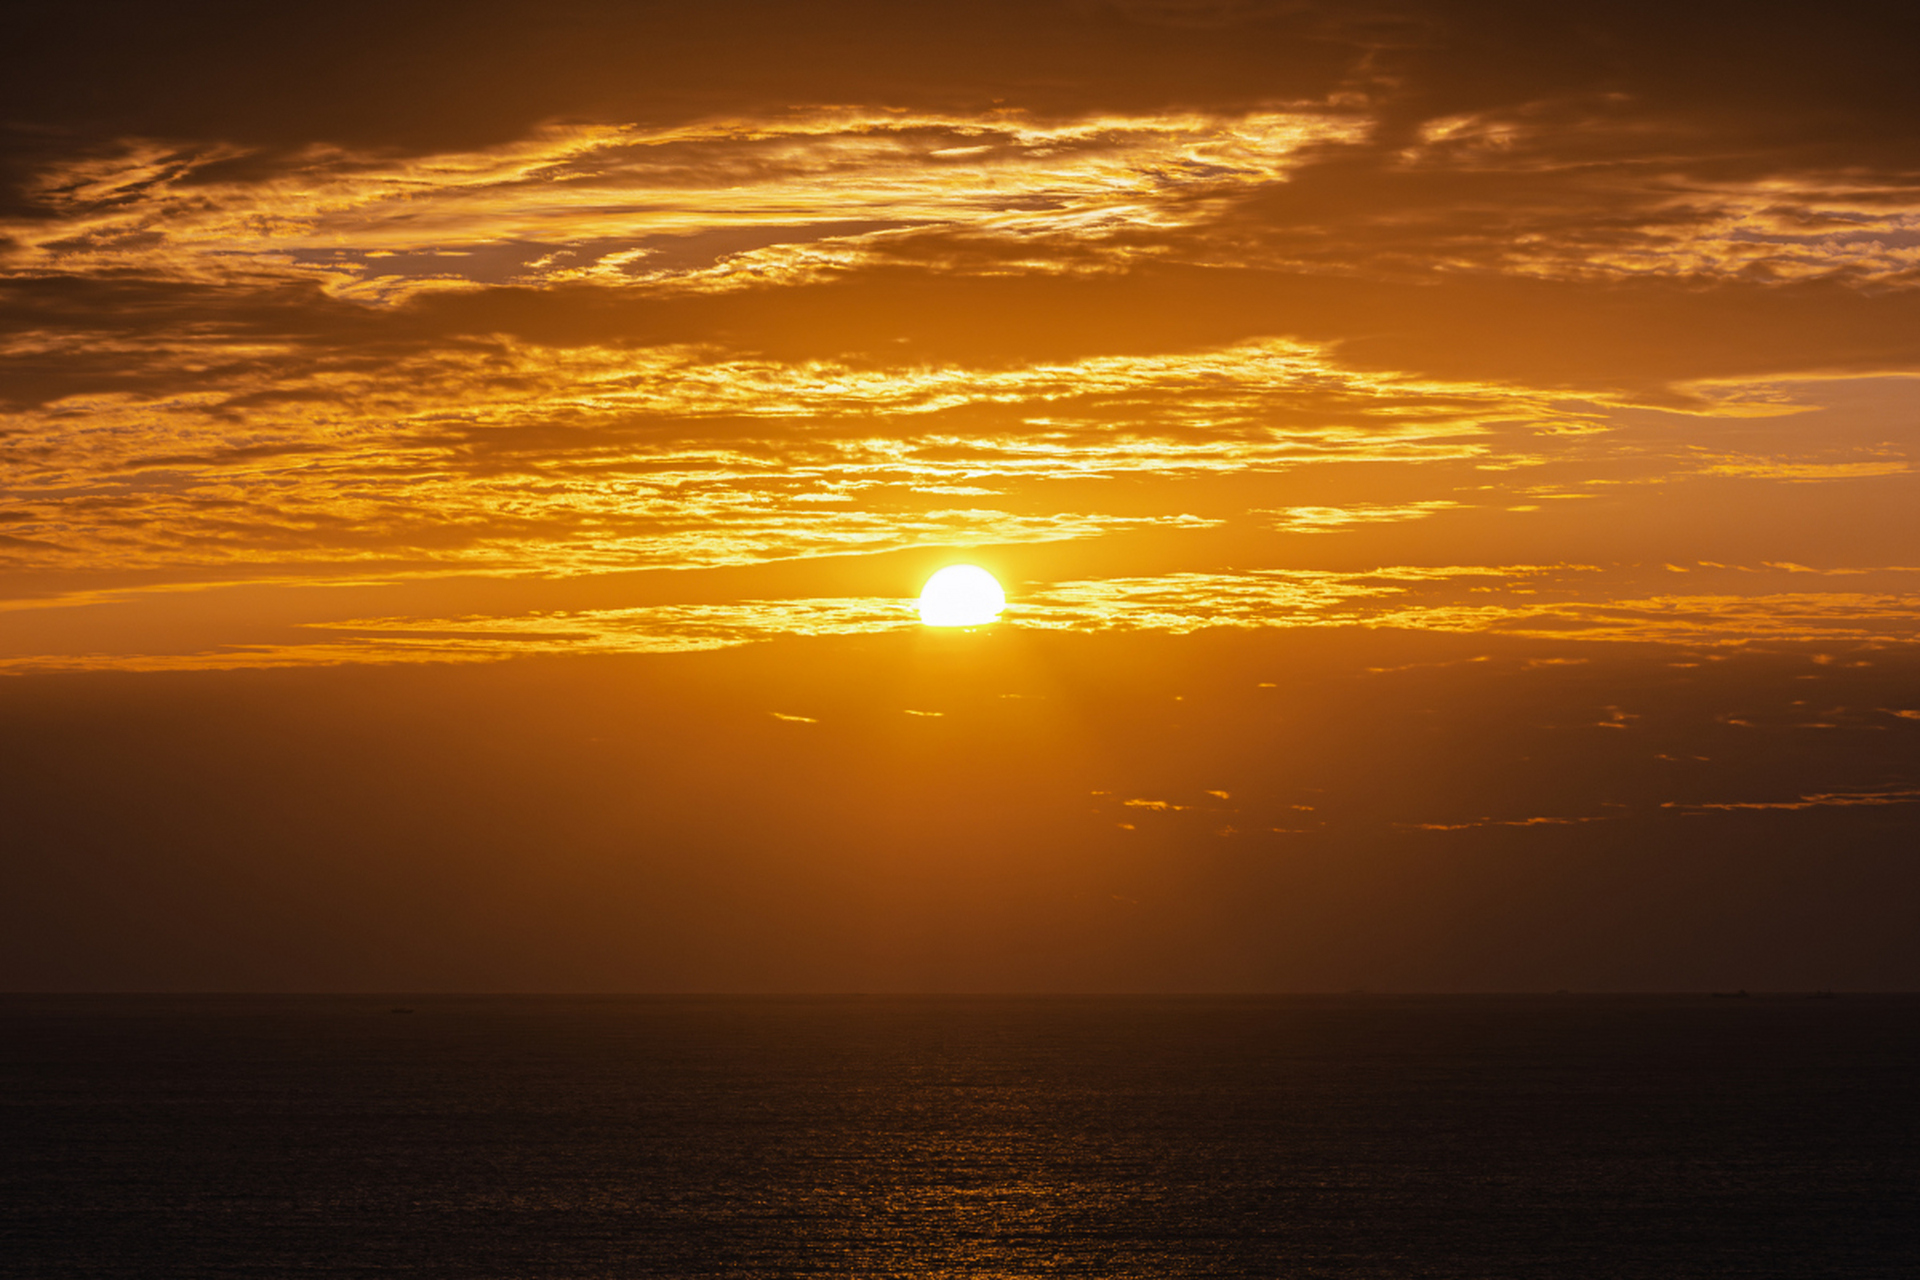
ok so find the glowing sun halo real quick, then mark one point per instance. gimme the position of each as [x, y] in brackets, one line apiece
[961, 595]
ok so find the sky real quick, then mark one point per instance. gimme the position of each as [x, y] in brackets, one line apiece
[466, 472]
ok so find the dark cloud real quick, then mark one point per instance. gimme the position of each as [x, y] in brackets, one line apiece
[436, 76]
[440, 75]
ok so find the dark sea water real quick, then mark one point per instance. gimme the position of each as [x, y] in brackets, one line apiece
[1373, 1136]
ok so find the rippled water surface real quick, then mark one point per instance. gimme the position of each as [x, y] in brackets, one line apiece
[1371, 1136]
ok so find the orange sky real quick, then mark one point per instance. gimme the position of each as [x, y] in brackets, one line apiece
[1557, 368]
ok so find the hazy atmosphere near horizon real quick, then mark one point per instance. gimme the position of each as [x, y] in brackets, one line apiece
[467, 474]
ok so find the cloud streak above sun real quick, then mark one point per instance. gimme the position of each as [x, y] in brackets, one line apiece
[622, 205]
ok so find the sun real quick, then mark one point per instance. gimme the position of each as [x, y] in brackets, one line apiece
[961, 595]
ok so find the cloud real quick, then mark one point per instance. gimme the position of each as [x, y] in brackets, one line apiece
[1558, 190]
[1400, 272]
[1531, 602]
[610, 204]
[516, 456]
[1504, 822]
[1818, 800]
[1327, 519]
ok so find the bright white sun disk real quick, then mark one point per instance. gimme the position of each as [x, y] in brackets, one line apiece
[961, 595]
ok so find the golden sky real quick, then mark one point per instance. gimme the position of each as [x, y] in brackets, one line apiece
[502, 334]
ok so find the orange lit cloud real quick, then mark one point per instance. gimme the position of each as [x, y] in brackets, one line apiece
[1243, 354]
[1544, 603]
[624, 205]
[1820, 800]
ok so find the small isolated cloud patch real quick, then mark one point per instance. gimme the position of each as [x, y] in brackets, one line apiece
[1816, 800]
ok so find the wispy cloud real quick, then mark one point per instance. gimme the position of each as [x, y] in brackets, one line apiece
[1575, 189]
[766, 336]
[1817, 800]
[622, 204]
[529, 459]
[1544, 602]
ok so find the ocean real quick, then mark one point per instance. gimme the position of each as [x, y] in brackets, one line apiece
[528, 1137]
